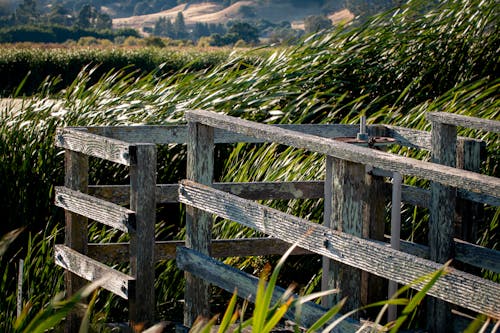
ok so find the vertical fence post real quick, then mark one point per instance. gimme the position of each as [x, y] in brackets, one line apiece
[142, 240]
[200, 161]
[469, 213]
[397, 180]
[76, 178]
[354, 204]
[442, 214]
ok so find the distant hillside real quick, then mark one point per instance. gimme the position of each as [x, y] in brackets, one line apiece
[212, 12]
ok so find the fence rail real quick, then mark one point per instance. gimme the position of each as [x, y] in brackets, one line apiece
[355, 248]
[456, 287]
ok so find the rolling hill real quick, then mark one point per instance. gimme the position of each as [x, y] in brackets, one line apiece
[210, 12]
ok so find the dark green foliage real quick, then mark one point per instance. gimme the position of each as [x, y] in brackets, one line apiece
[90, 17]
[37, 64]
[57, 34]
[316, 23]
[245, 32]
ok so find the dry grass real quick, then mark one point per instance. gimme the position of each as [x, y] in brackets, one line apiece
[208, 12]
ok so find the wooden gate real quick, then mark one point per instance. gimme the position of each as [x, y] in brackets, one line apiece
[349, 240]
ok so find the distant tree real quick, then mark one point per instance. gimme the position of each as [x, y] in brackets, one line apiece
[315, 23]
[89, 17]
[102, 21]
[217, 28]
[227, 39]
[180, 26]
[284, 36]
[27, 12]
[164, 28]
[84, 17]
[244, 31]
[200, 30]
[60, 15]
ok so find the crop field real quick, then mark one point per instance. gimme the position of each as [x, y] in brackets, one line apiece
[393, 69]
[24, 69]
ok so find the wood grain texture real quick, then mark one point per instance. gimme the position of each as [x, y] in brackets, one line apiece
[464, 121]
[200, 168]
[168, 193]
[457, 287]
[96, 209]
[469, 214]
[231, 279]
[76, 167]
[442, 209]
[178, 133]
[441, 219]
[165, 250]
[91, 270]
[477, 256]
[446, 175]
[143, 202]
[471, 254]
[357, 207]
[93, 145]
[346, 214]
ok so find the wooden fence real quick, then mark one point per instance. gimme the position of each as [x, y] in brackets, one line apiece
[351, 239]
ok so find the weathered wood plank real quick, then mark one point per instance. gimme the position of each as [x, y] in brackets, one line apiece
[446, 175]
[168, 193]
[442, 209]
[454, 119]
[96, 209]
[229, 279]
[409, 137]
[274, 190]
[471, 254]
[469, 214]
[142, 238]
[91, 270]
[76, 167]
[178, 133]
[441, 219]
[165, 250]
[144, 134]
[457, 287]
[200, 168]
[477, 256]
[93, 145]
[479, 197]
[355, 205]
[418, 139]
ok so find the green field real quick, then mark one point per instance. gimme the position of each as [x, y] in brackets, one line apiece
[392, 69]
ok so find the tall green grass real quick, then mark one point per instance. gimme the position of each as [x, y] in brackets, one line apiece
[37, 63]
[392, 68]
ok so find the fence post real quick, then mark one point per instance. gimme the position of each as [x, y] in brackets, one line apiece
[469, 213]
[143, 203]
[442, 214]
[76, 235]
[200, 161]
[354, 204]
